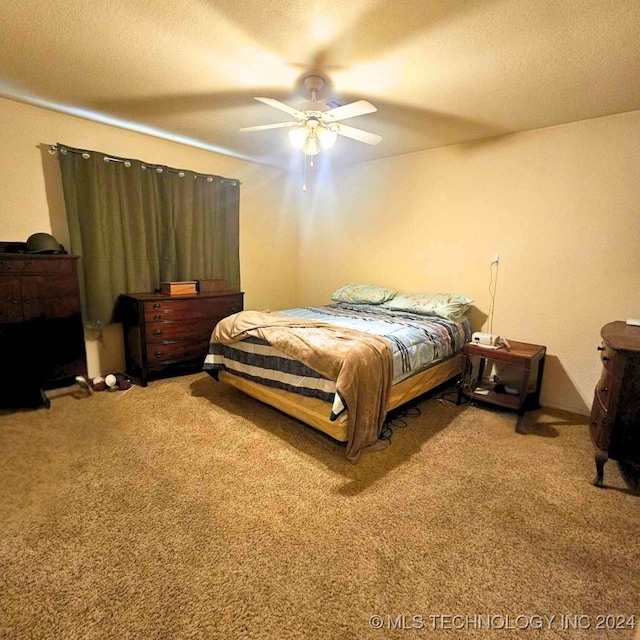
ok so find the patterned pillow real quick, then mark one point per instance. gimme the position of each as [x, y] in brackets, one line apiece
[445, 305]
[362, 294]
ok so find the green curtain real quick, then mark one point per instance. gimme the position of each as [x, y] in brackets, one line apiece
[137, 224]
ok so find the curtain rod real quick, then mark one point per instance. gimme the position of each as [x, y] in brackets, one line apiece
[53, 149]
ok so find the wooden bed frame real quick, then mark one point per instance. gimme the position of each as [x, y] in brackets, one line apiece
[315, 412]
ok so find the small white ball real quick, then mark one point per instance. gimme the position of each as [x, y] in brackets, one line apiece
[110, 380]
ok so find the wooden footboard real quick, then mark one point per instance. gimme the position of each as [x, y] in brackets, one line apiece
[315, 412]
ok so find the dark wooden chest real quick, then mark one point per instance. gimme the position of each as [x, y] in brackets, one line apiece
[41, 330]
[171, 333]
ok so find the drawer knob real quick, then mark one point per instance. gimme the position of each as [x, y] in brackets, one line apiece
[600, 348]
[157, 317]
[157, 306]
[604, 389]
[14, 300]
[157, 332]
[605, 359]
[158, 354]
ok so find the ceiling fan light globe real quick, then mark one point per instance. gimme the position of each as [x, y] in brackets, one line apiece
[326, 137]
[298, 137]
[311, 146]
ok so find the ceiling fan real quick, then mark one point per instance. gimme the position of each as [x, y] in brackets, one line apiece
[317, 126]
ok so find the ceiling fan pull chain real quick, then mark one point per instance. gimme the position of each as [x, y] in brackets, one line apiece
[304, 179]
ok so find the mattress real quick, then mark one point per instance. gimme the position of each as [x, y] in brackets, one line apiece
[317, 413]
[417, 342]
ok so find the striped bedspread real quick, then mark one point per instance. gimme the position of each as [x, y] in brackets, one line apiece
[417, 341]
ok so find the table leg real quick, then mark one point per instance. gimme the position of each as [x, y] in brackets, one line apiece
[520, 421]
[601, 459]
[481, 366]
[536, 395]
[523, 399]
[461, 382]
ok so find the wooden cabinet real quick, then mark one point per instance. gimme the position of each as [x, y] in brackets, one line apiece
[615, 414]
[41, 331]
[164, 332]
[522, 356]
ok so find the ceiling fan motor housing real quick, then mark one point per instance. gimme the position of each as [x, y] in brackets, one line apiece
[311, 82]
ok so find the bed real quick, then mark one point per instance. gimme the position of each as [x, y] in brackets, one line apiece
[339, 368]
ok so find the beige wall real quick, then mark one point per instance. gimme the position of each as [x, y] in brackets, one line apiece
[561, 206]
[31, 200]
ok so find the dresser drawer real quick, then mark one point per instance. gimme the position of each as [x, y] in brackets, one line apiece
[605, 387]
[37, 266]
[599, 425]
[607, 356]
[199, 329]
[164, 352]
[166, 310]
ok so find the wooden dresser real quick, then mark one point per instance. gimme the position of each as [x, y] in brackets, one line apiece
[615, 415]
[41, 330]
[171, 333]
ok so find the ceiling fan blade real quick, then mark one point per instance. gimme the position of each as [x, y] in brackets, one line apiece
[282, 106]
[359, 108]
[264, 127]
[358, 134]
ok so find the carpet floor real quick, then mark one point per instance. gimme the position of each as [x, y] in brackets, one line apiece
[189, 510]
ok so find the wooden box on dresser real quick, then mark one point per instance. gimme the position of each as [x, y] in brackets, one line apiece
[41, 330]
[171, 333]
[615, 415]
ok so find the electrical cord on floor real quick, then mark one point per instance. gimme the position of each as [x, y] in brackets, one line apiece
[466, 393]
[398, 420]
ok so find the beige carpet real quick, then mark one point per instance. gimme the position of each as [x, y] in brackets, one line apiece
[188, 510]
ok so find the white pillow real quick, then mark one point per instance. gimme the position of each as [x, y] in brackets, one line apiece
[446, 305]
[362, 294]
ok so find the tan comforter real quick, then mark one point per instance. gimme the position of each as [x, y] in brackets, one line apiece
[360, 364]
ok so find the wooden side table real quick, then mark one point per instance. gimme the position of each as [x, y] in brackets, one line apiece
[520, 354]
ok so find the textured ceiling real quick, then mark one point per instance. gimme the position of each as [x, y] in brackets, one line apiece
[439, 71]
